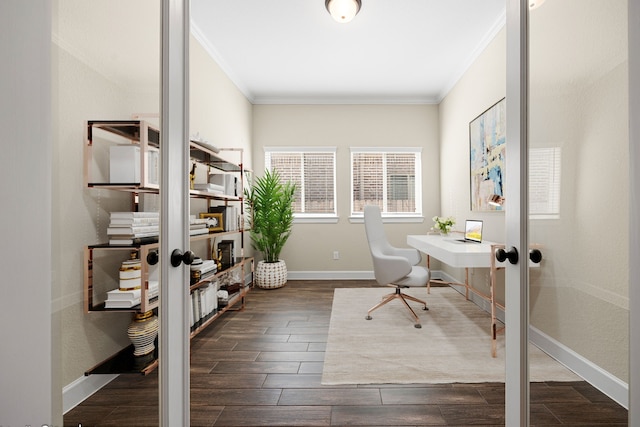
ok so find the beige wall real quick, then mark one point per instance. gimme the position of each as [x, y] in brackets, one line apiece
[481, 86]
[218, 110]
[310, 247]
[80, 215]
[222, 115]
[580, 104]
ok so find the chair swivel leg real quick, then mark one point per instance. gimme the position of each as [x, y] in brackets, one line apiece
[385, 300]
[399, 295]
[413, 313]
[411, 298]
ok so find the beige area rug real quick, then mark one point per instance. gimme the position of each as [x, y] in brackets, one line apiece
[453, 345]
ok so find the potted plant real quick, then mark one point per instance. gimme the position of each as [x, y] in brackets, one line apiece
[269, 205]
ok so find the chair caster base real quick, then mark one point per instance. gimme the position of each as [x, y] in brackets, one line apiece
[417, 326]
[425, 308]
[368, 317]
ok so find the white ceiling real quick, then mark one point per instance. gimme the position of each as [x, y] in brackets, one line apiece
[292, 51]
[394, 51]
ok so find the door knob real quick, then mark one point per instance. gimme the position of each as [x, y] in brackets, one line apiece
[178, 257]
[535, 256]
[511, 255]
[153, 258]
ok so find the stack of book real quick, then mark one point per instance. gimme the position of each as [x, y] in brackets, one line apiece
[197, 226]
[201, 269]
[133, 228]
[209, 188]
[129, 298]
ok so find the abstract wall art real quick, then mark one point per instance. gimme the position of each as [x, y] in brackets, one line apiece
[487, 146]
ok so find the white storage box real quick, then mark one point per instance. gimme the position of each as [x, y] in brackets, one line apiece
[124, 164]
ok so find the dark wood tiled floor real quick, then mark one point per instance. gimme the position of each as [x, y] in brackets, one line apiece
[263, 366]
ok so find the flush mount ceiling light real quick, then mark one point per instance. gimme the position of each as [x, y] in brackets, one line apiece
[343, 11]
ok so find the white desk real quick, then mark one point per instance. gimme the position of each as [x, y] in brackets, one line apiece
[464, 255]
[452, 252]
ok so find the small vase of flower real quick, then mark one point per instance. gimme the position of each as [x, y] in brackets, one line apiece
[442, 224]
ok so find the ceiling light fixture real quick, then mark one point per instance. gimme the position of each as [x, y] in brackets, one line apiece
[343, 11]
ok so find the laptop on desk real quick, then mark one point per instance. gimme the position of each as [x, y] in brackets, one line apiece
[472, 231]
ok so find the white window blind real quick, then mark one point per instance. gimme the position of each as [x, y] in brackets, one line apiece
[544, 182]
[387, 177]
[313, 170]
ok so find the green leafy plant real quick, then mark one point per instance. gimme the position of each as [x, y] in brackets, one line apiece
[269, 204]
[443, 224]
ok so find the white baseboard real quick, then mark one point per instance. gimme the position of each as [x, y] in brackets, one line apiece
[75, 393]
[330, 275]
[604, 381]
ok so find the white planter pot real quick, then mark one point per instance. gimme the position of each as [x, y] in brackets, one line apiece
[270, 275]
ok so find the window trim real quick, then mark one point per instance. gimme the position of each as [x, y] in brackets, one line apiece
[554, 183]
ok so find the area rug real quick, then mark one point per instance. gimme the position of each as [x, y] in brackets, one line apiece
[453, 345]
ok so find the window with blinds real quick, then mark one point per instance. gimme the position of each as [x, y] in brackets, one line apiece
[388, 178]
[313, 170]
[544, 182]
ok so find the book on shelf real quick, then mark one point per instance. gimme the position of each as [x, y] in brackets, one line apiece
[124, 240]
[114, 215]
[136, 229]
[210, 188]
[129, 298]
[134, 221]
[121, 303]
[153, 288]
[198, 231]
[230, 217]
[128, 295]
[126, 235]
[204, 302]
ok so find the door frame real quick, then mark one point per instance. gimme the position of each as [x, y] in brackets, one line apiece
[516, 217]
[173, 342]
[634, 211]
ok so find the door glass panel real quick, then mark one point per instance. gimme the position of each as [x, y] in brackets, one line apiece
[578, 185]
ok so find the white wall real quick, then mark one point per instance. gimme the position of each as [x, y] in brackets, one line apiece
[345, 126]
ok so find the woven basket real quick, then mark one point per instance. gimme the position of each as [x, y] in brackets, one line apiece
[271, 275]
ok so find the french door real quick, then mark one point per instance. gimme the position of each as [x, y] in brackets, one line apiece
[568, 168]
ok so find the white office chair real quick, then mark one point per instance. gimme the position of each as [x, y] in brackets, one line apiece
[396, 267]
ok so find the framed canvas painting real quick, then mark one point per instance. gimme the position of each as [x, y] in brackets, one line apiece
[487, 145]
